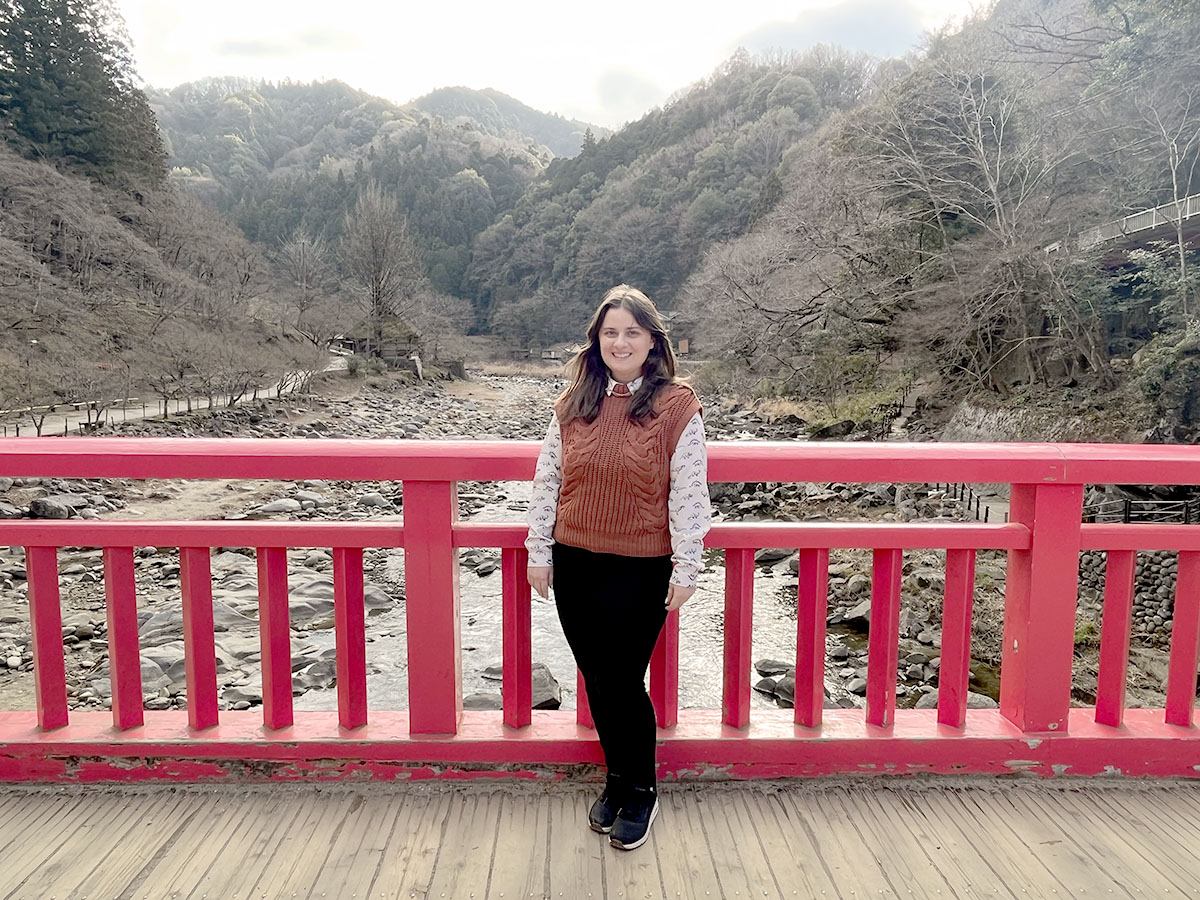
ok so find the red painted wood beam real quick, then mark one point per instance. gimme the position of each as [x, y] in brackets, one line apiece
[699, 746]
[812, 594]
[124, 656]
[45, 622]
[1012, 463]
[199, 646]
[350, 636]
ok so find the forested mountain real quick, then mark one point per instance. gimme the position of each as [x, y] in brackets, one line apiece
[503, 116]
[277, 158]
[527, 239]
[645, 204]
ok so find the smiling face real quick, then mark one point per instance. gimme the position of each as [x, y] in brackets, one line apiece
[624, 344]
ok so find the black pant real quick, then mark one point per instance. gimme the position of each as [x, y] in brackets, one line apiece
[612, 609]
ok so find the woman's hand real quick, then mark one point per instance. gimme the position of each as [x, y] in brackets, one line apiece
[677, 596]
[541, 579]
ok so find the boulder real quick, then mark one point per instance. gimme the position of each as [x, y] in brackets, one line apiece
[46, 508]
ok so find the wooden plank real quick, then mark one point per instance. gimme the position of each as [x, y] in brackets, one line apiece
[413, 848]
[1027, 834]
[151, 831]
[1049, 826]
[23, 815]
[254, 845]
[964, 866]
[1160, 827]
[467, 847]
[686, 862]
[522, 845]
[908, 864]
[1006, 856]
[180, 871]
[1111, 844]
[577, 854]
[789, 843]
[105, 832]
[852, 865]
[359, 848]
[23, 858]
[742, 866]
[306, 848]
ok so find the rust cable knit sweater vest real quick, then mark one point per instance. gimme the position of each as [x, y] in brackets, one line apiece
[616, 476]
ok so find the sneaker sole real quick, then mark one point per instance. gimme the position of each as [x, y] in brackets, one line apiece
[599, 829]
[645, 837]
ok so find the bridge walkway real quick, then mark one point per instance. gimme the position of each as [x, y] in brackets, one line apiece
[470, 841]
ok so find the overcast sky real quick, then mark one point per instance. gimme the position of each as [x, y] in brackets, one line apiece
[603, 63]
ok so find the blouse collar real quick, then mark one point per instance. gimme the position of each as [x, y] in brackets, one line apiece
[633, 385]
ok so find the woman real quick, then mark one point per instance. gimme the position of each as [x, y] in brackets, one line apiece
[616, 525]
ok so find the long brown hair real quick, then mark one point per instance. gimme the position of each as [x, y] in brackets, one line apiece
[588, 376]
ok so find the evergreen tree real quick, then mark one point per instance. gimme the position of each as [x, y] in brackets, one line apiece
[67, 90]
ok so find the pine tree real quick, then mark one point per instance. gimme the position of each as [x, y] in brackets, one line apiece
[67, 90]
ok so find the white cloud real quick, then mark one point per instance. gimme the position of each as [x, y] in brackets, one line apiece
[604, 64]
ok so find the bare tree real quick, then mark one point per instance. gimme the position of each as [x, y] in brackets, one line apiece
[440, 319]
[381, 258]
[1169, 111]
[304, 258]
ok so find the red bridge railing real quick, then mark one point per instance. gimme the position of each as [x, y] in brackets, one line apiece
[1034, 729]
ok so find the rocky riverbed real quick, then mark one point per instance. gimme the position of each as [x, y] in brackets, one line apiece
[486, 407]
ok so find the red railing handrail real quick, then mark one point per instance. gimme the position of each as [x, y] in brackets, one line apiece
[402, 460]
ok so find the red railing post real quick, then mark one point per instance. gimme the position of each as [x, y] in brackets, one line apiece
[275, 637]
[431, 607]
[1039, 607]
[583, 712]
[812, 596]
[739, 618]
[199, 644]
[124, 657]
[350, 636]
[517, 685]
[1185, 641]
[45, 622]
[1117, 617]
[954, 672]
[883, 642]
[664, 673]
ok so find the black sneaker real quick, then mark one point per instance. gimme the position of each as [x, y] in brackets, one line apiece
[604, 811]
[633, 822]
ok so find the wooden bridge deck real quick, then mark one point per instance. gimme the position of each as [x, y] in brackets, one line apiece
[855, 839]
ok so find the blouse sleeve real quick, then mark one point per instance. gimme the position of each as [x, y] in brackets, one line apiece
[688, 507]
[543, 504]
